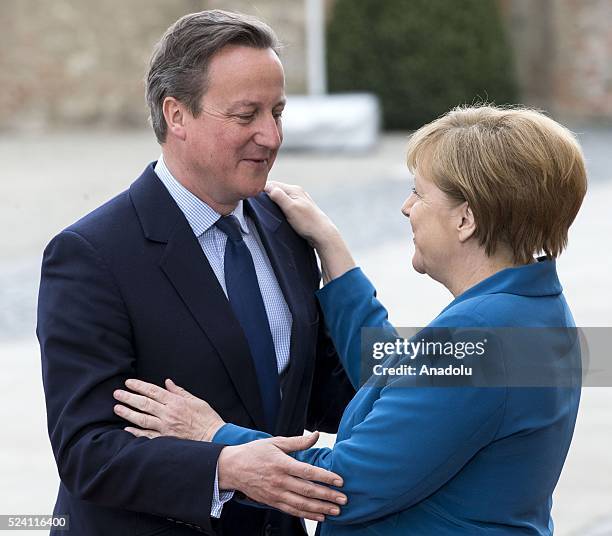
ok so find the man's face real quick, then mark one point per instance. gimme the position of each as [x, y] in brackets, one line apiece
[231, 146]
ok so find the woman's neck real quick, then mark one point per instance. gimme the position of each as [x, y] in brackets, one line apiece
[476, 268]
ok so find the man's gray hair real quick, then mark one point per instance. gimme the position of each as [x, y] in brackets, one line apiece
[180, 60]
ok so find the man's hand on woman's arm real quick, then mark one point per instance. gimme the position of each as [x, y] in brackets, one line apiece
[262, 470]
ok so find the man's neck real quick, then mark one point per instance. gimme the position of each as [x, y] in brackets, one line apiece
[183, 176]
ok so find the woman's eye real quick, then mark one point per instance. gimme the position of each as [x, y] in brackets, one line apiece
[415, 192]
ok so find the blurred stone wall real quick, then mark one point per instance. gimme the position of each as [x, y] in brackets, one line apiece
[81, 62]
[563, 53]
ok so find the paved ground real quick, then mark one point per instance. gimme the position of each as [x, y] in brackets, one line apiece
[49, 181]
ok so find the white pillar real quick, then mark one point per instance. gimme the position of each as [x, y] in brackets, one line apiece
[315, 42]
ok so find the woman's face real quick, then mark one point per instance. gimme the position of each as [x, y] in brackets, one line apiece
[434, 218]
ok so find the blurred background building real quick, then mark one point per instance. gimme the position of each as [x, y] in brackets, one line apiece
[563, 55]
[70, 62]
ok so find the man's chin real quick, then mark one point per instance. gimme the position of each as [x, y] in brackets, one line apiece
[255, 188]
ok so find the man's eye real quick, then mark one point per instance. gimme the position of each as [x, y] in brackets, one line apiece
[246, 117]
[278, 115]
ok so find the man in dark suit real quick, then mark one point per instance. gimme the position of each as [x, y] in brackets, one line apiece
[192, 274]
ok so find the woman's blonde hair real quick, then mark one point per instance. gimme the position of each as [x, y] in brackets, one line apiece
[522, 174]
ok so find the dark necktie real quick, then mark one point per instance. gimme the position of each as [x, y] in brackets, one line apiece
[248, 306]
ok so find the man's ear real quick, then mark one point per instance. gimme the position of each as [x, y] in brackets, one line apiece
[175, 115]
[466, 226]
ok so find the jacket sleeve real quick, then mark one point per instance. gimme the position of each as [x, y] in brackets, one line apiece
[349, 304]
[87, 351]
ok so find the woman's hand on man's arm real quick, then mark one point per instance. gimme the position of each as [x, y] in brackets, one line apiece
[173, 411]
[310, 222]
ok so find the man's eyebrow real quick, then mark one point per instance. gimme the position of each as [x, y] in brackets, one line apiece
[248, 104]
[241, 104]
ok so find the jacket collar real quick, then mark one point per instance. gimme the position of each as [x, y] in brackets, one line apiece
[156, 210]
[532, 280]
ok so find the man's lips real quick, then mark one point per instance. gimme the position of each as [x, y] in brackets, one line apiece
[256, 160]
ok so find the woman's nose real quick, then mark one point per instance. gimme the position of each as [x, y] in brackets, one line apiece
[407, 206]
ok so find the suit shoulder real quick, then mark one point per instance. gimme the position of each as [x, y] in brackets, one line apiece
[107, 225]
[113, 214]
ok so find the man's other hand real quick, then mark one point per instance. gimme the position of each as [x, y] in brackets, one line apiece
[264, 472]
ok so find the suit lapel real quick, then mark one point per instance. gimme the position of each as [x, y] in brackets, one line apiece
[189, 272]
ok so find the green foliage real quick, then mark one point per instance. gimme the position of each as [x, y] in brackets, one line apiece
[421, 57]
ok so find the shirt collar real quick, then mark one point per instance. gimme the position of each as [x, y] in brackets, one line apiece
[200, 215]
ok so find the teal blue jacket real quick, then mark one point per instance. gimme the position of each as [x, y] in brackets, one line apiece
[455, 460]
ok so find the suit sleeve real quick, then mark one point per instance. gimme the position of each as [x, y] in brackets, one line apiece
[87, 351]
[413, 439]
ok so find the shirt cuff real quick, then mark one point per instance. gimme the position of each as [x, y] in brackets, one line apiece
[219, 498]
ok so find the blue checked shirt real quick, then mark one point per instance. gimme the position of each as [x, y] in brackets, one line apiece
[202, 220]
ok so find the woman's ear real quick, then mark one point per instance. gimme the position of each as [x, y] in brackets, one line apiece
[466, 226]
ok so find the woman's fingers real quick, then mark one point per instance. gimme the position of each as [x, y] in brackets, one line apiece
[290, 191]
[283, 186]
[150, 390]
[173, 412]
[173, 388]
[148, 405]
[281, 198]
[142, 420]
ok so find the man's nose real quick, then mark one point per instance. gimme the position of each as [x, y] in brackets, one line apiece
[269, 133]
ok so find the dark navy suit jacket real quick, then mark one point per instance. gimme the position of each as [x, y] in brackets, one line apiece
[127, 292]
